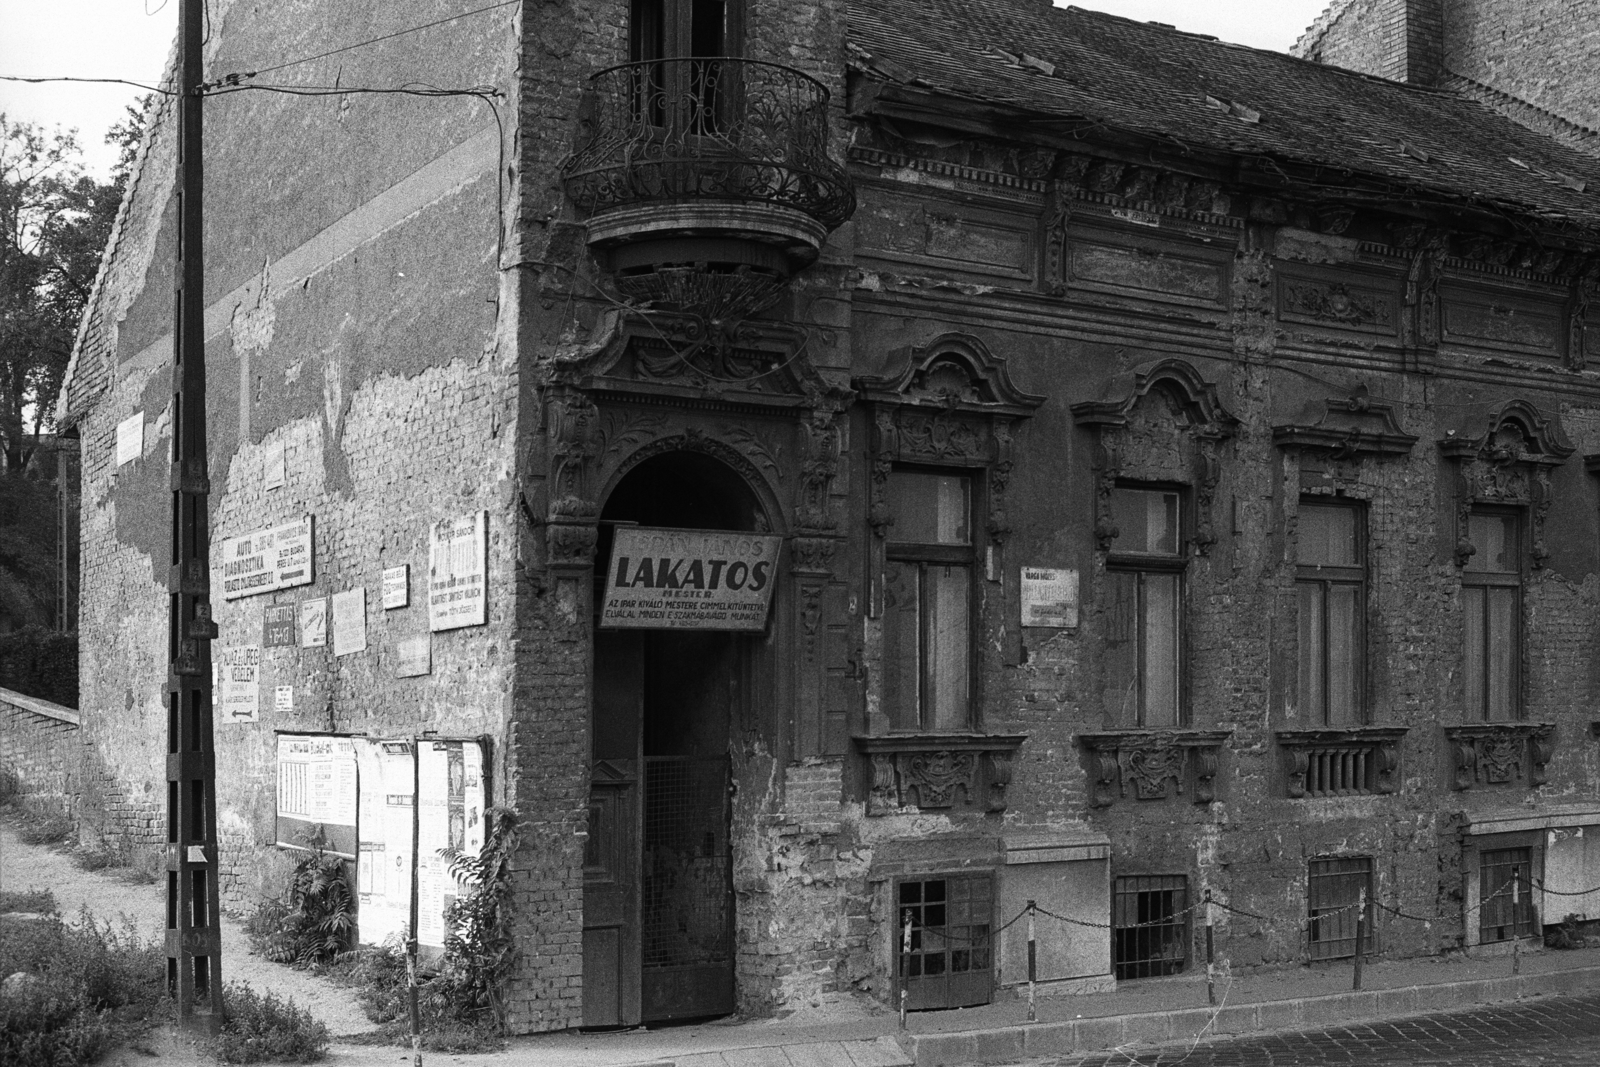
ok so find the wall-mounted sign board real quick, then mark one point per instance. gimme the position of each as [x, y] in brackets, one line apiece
[689, 579]
[130, 438]
[450, 803]
[458, 553]
[1050, 597]
[237, 680]
[317, 782]
[275, 558]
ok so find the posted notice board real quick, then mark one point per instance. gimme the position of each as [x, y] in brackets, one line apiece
[449, 802]
[317, 786]
[383, 866]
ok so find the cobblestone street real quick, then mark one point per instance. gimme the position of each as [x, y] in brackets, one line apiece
[1547, 1032]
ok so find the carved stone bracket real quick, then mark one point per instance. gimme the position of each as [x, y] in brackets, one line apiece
[1500, 753]
[1135, 439]
[1345, 428]
[1349, 762]
[938, 772]
[1143, 762]
[1508, 463]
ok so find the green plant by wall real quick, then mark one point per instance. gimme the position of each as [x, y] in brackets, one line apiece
[312, 923]
[40, 663]
[480, 950]
[261, 1028]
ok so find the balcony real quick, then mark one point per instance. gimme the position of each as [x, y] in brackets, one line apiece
[688, 168]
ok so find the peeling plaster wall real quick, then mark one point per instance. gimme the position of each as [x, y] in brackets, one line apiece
[356, 320]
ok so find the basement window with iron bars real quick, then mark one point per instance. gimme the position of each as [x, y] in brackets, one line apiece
[1505, 888]
[1150, 925]
[1333, 892]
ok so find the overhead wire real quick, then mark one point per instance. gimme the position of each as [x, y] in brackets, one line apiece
[90, 81]
[369, 41]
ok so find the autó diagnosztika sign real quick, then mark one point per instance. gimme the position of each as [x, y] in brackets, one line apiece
[689, 579]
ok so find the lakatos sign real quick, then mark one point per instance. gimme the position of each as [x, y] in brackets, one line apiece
[689, 579]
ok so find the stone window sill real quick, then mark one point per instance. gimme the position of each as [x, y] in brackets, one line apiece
[1143, 762]
[1500, 753]
[1352, 761]
[939, 772]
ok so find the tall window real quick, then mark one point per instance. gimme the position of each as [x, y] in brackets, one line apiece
[1491, 598]
[927, 602]
[1144, 640]
[1330, 584]
[666, 29]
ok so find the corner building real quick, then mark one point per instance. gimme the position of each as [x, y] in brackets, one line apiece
[1176, 461]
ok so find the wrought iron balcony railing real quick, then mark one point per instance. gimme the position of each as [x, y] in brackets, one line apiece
[708, 130]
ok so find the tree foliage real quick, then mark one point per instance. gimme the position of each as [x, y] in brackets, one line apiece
[54, 222]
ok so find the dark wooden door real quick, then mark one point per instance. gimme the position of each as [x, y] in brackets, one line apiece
[611, 963]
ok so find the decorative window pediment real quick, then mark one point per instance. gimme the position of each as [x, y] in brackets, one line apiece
[1151, 764]
[1161, 422]
[940, 772]
[1501, 753]
[1508, 463]
[1352, 427]
[948, 403]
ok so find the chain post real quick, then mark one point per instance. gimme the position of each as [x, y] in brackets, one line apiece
[1033, 967]
[1211, 952]
[1361, 936]
[905, 965]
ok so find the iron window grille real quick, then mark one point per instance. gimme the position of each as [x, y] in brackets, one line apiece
[1505, 895]
[1150, 925]
[1332, 892]
[945, 958]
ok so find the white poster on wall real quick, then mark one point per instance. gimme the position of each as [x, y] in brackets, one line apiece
[396, 587]
[1050, 597]
[273, 473]
[383, 866]
[237, 675]
[130, 438]
[458, 552]
[314, 623]
[349, 622]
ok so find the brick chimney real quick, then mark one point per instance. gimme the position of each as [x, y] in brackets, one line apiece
[1402, 40]
[1413, 40]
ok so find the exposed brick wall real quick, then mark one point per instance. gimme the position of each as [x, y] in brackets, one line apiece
[39, 743]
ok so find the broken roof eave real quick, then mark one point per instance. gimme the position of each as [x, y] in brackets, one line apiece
[1257, 171]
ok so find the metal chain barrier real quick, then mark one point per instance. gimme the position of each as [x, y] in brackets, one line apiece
[1512, 889]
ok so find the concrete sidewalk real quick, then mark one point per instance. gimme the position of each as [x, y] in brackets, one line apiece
[1140, 1014]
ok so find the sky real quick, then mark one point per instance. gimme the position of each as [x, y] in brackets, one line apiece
[131, 38]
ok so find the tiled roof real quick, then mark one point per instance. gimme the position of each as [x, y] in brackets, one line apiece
[1198, 92]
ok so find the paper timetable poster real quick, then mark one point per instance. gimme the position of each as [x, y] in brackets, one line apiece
[317, 783]
[450, 805]
[383, 864]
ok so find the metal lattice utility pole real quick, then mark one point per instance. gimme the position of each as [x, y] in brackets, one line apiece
[194, 939]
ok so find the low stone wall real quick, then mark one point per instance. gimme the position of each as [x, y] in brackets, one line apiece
[38, 747]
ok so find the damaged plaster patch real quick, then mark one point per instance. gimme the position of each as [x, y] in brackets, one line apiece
[1308, 247]
[252, 323]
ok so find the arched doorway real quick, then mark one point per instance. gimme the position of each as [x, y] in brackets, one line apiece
[658, 892]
